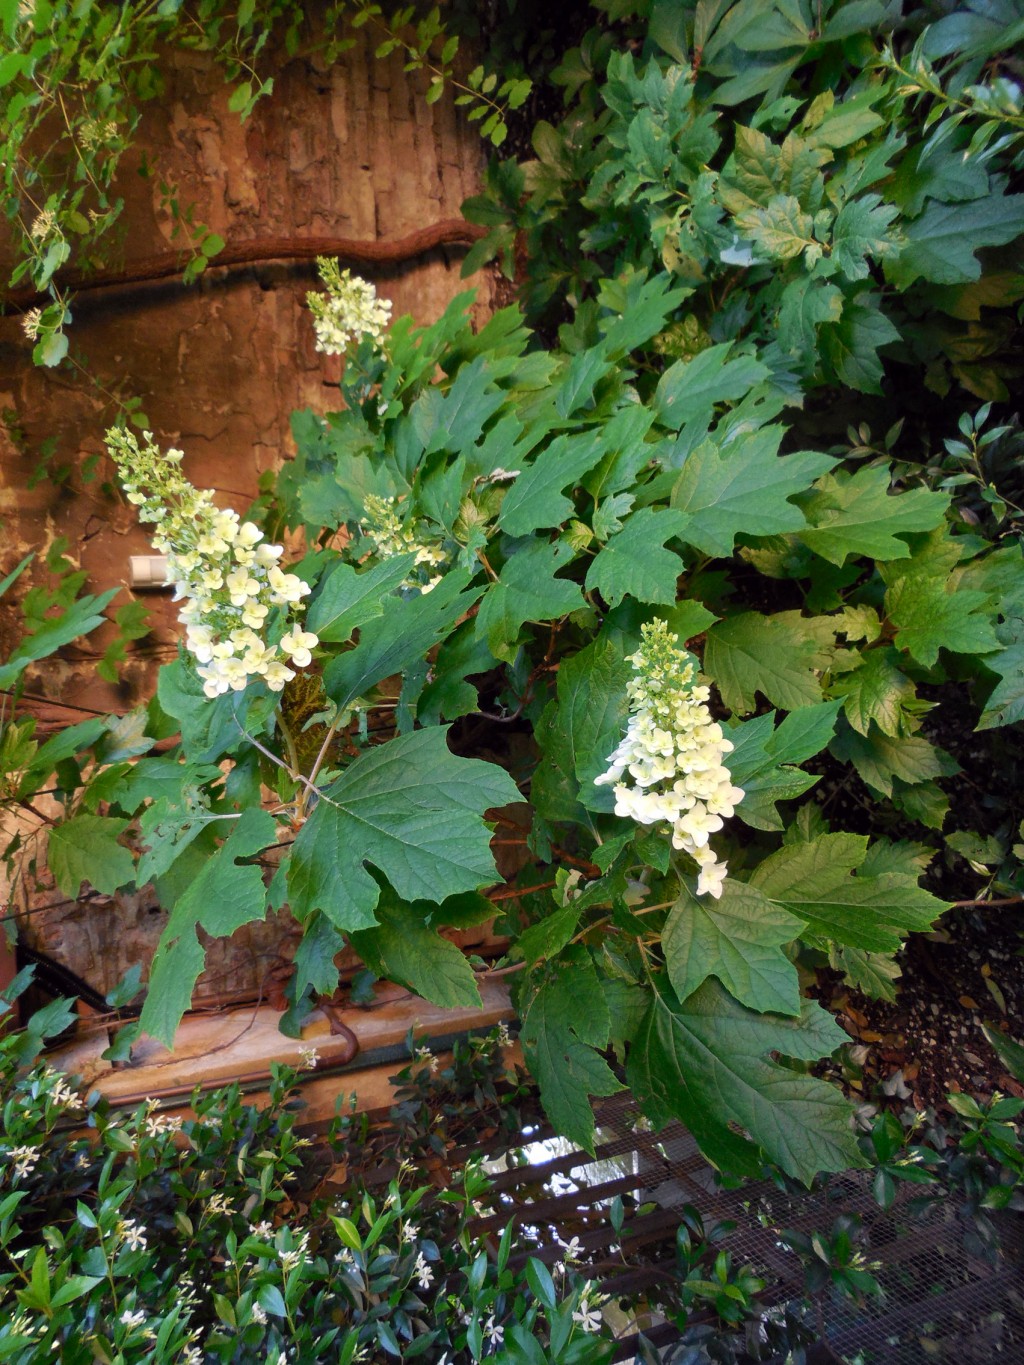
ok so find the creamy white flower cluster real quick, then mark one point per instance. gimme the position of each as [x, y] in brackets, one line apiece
[350, 309]
[228, 574]
[44, 225]
[384, 526]
[673, 753]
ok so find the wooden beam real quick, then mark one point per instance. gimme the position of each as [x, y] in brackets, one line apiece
[240, 1045]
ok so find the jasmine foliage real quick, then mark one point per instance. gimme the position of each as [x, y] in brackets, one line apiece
[135, 1236]
[498, 523]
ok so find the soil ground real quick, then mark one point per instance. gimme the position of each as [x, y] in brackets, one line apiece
[967, 973]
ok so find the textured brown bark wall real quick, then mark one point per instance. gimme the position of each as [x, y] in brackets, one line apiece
[353, 152]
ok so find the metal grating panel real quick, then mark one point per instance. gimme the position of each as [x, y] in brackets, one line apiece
[942, 1303]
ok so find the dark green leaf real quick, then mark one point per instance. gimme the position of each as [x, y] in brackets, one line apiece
[347, 599]
[400, 637]
[689, 389]
[737, 939]
[86, 849]
[814, 880]
[776, 655]
[634, 563]
[527, 590]
[224, 895]
[536, 500]
[403, 948]
[762, 759]
[941, 243]
[707, 1061]
[743, 488]
[408, 807]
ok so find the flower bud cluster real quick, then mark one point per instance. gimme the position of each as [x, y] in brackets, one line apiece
[391, 536]
[350, 309]
[673, 752]
[237, 595]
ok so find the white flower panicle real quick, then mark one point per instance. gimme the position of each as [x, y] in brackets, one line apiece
[390, 535]
[234, 588]
[349, 311]
[673, 753]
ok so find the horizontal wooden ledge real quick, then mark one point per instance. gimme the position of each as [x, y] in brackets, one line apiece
[170, 264]
[240, 1046]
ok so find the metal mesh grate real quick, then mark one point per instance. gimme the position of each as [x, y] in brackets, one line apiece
[942, 1301]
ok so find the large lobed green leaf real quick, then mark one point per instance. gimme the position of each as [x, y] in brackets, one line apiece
[855, 514]
[779, 656]
[86, 848]
[566, 1020]
[763, 759]
[738, 939]
[707, 1061]
[402, 947]
[224, 894]
[412, 810]
[817, 882]
[743, 488]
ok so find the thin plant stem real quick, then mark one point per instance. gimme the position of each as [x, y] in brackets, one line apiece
[289, 739]
[332, 730]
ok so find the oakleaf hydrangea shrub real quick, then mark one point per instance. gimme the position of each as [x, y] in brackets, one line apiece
[710, 652]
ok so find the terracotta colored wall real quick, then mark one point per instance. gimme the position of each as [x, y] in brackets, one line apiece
[352, 152]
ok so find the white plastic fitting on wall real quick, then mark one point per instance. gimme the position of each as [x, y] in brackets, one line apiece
[148, 571]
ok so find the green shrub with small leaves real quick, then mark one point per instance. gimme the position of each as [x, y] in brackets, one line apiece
[138, 1237]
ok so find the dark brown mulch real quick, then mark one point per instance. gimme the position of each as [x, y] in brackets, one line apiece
[967, 973]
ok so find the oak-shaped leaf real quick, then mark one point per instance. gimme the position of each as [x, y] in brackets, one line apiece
[738, 939]
[708, 1062]
[86, 849]
[402, 947]
[528, 590]
[856, 514]
[764, 758]
[820, 882]
[412, 810]
[780, 656]
[634, 563]
[223, 895]
[564, 1024]
[743, 488]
